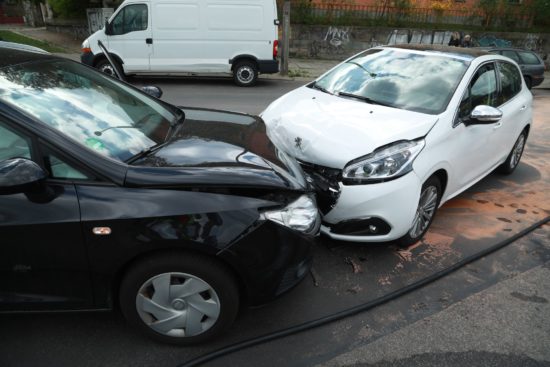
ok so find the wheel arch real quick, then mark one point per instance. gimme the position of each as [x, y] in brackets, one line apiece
[101, 56]
[244, 57]
[116, 280]
[443, 177]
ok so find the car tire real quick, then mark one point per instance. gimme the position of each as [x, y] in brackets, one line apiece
[528, 82]
[179, 298]
[514, 157]
[245, 73]
[105, 66]
[430, 196]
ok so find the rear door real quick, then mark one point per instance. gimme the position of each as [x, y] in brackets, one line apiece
[131, 37]
[515, 104]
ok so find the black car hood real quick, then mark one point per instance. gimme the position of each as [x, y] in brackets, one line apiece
[217, 148]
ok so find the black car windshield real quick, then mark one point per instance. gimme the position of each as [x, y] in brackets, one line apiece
[405, 79]
[89, 107]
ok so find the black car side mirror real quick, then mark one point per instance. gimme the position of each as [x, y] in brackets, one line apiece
[152, 91]
[19, 175]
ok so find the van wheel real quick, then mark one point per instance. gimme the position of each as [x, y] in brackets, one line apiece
[430, 196]
[179, 298]
[106, 67]
[245, 74]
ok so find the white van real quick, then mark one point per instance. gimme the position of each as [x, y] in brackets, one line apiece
[182, 37]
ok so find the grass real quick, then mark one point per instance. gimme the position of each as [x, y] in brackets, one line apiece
[15, 37]
[293, 73]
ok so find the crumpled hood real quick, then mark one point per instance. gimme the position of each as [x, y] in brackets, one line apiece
[328, 130]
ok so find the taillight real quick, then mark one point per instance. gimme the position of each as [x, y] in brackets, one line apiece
[275, 48]
[86, 50]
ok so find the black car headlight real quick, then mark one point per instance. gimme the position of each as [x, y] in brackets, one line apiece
[301, 215]
[384, 164]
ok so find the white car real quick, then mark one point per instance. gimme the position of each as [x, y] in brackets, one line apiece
[391, 133]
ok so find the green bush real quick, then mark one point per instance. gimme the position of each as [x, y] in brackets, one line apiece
[70, 8]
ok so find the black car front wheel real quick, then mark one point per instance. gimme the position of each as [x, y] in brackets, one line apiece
[179, 298]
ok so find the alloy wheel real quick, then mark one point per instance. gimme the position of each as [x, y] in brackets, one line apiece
[424, 212]
[518, 150]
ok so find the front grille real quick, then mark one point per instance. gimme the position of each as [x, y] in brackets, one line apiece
[325, 180]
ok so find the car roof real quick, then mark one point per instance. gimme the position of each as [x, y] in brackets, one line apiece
[451, 50]
[13, 55]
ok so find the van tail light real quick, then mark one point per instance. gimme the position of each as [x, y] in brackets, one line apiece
[86, 50]
[275, 48]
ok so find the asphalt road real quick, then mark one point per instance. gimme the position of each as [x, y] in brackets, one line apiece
[494, 312]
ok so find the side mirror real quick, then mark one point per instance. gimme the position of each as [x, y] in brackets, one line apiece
[20, 175]
[108, 28]
[152, 91]
[484, 114]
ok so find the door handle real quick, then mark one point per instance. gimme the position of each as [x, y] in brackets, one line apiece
[497, 125]
[149, 41]
[523, 108]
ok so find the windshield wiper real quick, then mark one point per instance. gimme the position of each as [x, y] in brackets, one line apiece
[322, 89]
[100, 132]
[363, 98]
[145, 152]
[372, 75]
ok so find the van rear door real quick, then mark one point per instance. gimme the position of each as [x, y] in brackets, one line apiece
[130, 36]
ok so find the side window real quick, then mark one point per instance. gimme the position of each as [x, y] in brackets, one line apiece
[529, 58]
[63, 170]
[13, 145]
[510, 80]
[130, 19]
[511, 54]
[481, 91]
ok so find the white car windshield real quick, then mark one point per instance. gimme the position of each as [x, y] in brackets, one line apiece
[87, 106]
[397, 78]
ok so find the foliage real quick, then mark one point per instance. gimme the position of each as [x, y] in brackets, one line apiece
[16, 37]
[69, 8]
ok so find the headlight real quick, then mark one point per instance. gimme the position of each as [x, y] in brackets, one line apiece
[301, 215]
[387, 163]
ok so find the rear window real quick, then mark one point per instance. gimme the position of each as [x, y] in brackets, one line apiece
[529, 58]
[511, 54]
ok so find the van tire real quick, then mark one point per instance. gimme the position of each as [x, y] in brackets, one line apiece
[245, 73]
[105, 66]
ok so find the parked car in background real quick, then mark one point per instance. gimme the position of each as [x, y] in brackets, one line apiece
[109, 197]
[172, 37]
[531, 64]
[391, 133]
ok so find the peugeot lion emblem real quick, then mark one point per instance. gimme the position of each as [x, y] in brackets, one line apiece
[298, 142]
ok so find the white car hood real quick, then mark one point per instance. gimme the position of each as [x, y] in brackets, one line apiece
[332, 130]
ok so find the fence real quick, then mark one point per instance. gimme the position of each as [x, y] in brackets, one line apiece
[348, 14]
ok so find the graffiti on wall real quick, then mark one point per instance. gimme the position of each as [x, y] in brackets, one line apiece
[334, 42]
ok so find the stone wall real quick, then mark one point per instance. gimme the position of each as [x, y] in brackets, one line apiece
[78, 29]
[339, 42]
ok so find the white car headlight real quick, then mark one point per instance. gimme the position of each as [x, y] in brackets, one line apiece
[301, 215]
[387, 163]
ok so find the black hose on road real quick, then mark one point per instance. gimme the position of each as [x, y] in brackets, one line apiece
[359, 308]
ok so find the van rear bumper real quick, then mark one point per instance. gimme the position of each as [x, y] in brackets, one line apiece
[268, 66]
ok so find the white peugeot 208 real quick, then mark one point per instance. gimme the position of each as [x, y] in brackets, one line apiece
[391, 133]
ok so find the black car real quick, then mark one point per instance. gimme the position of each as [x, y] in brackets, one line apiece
[531, 64]
[112, 198]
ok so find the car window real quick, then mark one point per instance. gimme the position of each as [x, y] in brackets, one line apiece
[481, 91]
[12, 144]
[403, 79]
[511, 54]
[89, 107]
[62, 170]
[529, 58]
[130, 19]
[510, 81]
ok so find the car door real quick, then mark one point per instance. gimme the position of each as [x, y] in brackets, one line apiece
[515, 105]
[474, 156]
[43, 259]
[130, 37]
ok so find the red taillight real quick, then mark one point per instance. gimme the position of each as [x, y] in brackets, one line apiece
[86, 50]
[275, 48]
